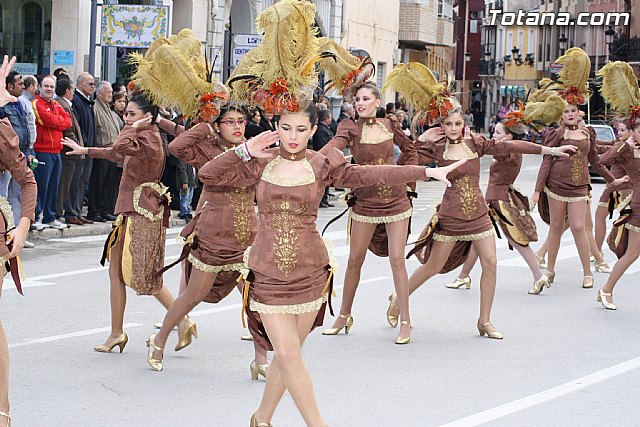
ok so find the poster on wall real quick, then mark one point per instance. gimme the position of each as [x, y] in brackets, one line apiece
[133, 26]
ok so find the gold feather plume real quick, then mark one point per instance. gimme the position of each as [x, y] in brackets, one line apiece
[245, 75]
[341, 68]
[288, 43]
[545, 113]
[575, 70]
[420, 89]
[415, 83]
[619, 86]
[172, 74]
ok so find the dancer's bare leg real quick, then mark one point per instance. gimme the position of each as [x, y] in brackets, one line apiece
[600, 226]
[577, 220]
[486, 249]
[117, 294]
[469, 263]
[529, 257]
[397, 238]
[440, 252]
[4, 360]
[199, 287]
[629, 257]
[557, 213]
[593, 246]
[287, 333]
[361, 233]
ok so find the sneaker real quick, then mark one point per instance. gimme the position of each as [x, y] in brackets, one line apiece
[29, 245]
[57, 225]
[39, 226]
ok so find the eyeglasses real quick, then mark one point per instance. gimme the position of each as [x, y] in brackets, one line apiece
[229, 122]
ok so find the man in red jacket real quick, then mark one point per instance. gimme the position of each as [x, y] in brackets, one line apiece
[51, 121]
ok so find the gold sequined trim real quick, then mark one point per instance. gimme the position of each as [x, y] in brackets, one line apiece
[565, 199]
[469, 154]
[368, 138]
[463, 237]
[625, 202]
[632, 228]
[305, 307]
[241, 201]
[309, 178]
[161, 189]
[577, 166]
[603, 204]
[238, 266]
[381, 219]
[6, 212]
[585, 134]
[285, 221]
[467, 186]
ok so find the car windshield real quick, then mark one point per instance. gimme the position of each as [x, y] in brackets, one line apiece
[604, 133]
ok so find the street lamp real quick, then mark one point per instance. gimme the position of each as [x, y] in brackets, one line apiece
[467, 56]
[487, 56]
[609, 34]
[563, 43]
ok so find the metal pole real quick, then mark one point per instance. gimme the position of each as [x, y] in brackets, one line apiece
[92, 37]
[464, 58]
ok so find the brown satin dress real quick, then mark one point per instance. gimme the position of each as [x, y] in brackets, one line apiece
[290, 267]
[224, 224]
[142, 207]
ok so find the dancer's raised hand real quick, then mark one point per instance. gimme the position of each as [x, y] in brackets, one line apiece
[440, 173]
[258, 144]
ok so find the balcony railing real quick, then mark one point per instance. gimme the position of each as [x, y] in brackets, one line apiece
[625, 50]
[487, 68]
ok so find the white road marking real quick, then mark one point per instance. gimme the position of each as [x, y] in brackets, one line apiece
[69, 335]
[133, 325]
[545, 395]
[101, 237]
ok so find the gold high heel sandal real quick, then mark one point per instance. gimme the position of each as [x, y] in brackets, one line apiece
[247, 337]
[6, 415]
[258, 370]
[347, 326]
[393, 312]
[551, 275]
[406, 340]
[482, 329]
[254, 422]
[460, 283]
[156, 364]
[603, 267]
[587, 282]
[184, 338]
[539, 285]
[541, 262]
[121, 342]
[602, 298]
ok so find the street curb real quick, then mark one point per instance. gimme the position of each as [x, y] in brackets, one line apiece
[95, 229]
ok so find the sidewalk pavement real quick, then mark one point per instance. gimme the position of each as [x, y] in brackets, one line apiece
[97, 228]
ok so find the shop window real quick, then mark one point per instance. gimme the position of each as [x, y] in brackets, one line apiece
[32, 25]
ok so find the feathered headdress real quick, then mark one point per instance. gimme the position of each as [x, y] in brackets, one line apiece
[173, 73]
[574, 76]
[432, 101]
[620, 90]
[282, 74]
[345, 72]
[538, 114]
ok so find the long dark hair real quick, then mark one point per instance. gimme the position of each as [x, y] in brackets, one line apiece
[146, 106]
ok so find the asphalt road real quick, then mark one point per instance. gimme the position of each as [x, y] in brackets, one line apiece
[565, 361]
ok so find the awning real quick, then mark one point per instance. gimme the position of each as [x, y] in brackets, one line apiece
[513, 91]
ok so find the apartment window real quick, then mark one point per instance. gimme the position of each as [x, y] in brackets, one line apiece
[509, 45]
[531, 41]
[520, 40]
[380, 74]
[445, 9]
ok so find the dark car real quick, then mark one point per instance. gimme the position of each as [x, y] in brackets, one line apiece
[603, 133]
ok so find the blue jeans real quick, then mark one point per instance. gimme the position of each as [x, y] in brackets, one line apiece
[185, 201]
[48, 178]
[10, 190]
